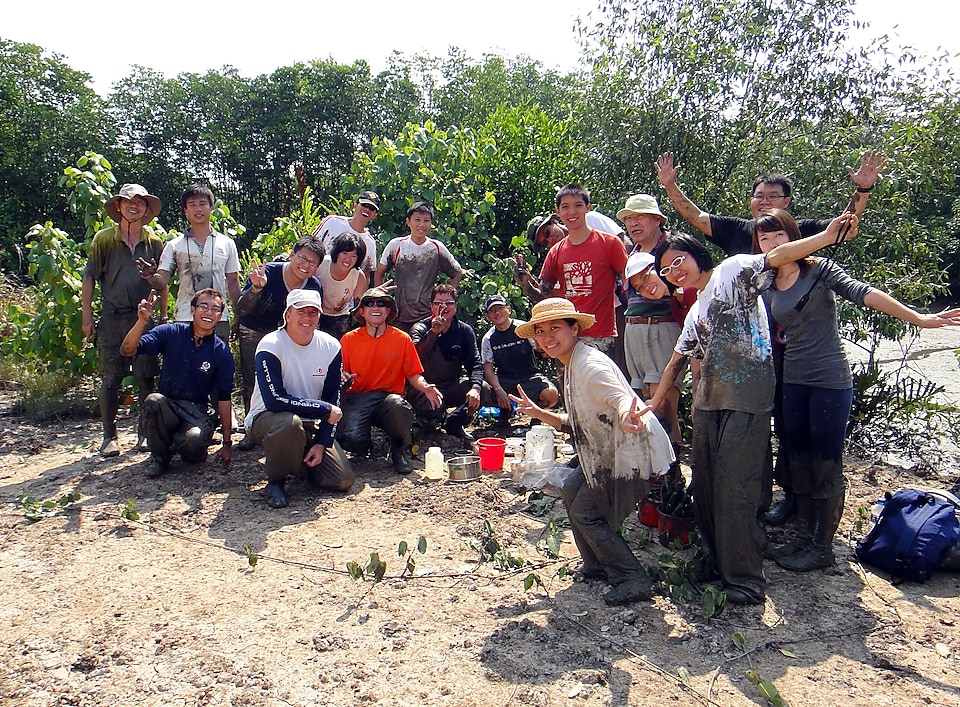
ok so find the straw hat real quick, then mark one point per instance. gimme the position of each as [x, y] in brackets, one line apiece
[554, 308]
[129, 191]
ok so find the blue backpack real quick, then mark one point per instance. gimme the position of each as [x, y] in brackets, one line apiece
[914, 532]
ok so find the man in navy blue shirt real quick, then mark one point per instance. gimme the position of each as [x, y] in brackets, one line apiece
[448, 350]
[180, 417]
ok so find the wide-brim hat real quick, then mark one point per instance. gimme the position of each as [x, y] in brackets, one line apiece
[638, 262]
[372, 294]
[128, 191]
[554, 308]
[641, 204]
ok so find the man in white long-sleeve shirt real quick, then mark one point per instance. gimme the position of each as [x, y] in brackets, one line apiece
[296, 401]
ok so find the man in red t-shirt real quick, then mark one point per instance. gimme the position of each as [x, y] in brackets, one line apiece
[586, 265]
[378, 360]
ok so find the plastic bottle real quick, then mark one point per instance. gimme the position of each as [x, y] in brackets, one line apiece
[433, 464]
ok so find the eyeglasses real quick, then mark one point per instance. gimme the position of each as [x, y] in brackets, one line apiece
[444, 304]
[307, 261]
[376, 303]
[767, 197]
[204, 307]
[672, 266]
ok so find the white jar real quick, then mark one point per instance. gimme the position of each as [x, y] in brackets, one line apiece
[433, 464]
[539, 444]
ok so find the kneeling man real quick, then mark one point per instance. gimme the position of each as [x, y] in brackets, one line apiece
[196, 363]
[296, 401]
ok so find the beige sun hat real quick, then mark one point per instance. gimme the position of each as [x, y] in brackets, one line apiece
[128, 191]
[641, 204]
[554, 308]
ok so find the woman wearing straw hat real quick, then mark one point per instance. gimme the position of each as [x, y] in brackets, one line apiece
[618, 440]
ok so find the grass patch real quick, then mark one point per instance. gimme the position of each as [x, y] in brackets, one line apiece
[45, 395]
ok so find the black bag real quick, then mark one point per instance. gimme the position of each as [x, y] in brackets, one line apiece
[914, 531]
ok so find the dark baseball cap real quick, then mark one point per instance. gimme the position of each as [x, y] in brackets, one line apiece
[369, 198]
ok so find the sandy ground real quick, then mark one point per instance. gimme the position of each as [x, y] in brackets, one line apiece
[167, 610]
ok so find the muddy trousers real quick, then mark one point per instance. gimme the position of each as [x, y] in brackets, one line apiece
[729, 454]
[598, 538]
[178, 426]
[388, 411]
[285, 439]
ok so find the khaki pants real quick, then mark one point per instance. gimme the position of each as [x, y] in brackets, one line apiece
[285, 439]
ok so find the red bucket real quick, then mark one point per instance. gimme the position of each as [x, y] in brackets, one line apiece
[673, 528]
[491, 452]
[648, 514]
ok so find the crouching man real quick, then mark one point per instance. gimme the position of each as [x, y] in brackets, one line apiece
[296, 401]
[378, 360]
[180, 418]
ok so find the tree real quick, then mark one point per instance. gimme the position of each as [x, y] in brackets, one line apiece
[48, 115]
[448, 169]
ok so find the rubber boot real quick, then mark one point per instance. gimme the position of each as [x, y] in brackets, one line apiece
[783, 511]
[806, 513]
[109, 407]
[820, 554]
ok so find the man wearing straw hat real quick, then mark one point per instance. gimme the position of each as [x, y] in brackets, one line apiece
[112, 262]
[618, 440]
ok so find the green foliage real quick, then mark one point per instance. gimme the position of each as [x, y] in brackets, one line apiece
[490, 550]
[766, 688]
[287, 230]
[50, 335]
[48, 114]
[90, 183]
[35, 510]
[128, 510]
[449, 170]
[375, 569]
[251, 555]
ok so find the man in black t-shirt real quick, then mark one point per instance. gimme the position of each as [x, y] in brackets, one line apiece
[770, 191]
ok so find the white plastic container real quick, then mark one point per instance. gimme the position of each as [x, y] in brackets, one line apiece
[433, 464]
[539, 444]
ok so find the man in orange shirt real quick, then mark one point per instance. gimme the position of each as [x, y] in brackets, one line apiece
[378, 360]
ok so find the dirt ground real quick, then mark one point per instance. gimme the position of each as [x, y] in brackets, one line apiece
[167, 610]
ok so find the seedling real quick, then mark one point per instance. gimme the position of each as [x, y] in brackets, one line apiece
[36, 510]
[128, 510]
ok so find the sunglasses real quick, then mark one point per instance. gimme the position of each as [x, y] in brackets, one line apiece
[382, 304]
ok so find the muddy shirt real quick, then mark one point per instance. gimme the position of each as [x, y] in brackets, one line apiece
[111, 263]
[728, 329]
[616, 464]
[813, 354]
[416, 268]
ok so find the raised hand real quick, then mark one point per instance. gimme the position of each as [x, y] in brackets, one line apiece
[666, 169]
[258, 276]
[872, 163]
[146, 268]
[633, 420]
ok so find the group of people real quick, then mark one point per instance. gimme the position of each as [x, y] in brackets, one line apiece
[329, 348]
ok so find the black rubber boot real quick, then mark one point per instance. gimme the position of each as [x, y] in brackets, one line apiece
[806, 512]
[276, 498]
[820, 553]
[401, 463]
[783, 511]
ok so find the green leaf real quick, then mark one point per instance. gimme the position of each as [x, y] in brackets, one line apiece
[421, 545]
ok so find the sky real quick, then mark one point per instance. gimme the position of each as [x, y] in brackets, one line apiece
[187, 36]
